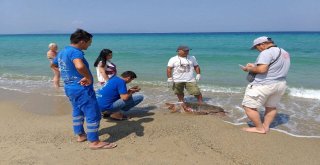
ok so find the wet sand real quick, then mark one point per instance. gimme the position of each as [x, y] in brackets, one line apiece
[37, 129]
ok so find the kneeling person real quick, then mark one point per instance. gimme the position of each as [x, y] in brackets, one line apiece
[114, 96]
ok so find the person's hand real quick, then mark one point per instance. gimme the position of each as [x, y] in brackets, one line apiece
[85, 81]
[170, 80]
[134, 89]
[198, 77]
[249, 67]
[243, 67]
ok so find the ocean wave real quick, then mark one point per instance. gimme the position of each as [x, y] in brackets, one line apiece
[278, 130]
[13, 89]
[218, 89]
[27, 83]
[305, 93]
[203, 87]
[9, 76]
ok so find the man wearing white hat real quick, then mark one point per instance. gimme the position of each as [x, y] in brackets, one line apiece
[268, 85]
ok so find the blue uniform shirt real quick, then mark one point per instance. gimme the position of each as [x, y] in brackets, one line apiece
[111, 92]
[68, 72]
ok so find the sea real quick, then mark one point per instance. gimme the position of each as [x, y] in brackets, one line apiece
[24, 68]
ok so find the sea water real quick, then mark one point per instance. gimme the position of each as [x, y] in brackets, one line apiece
[25, 68]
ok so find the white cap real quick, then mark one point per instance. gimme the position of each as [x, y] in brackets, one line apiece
[260, 40]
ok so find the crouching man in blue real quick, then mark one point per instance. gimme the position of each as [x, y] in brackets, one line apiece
[78, 86]
[114, 96]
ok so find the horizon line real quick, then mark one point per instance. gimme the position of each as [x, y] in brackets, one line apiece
[63, 33]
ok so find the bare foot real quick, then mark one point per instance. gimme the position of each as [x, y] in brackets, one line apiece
[254, 130]
[82, 137]
[267, 129]
[186, 108]
[102, 145]
[171, 107]
[56, 83]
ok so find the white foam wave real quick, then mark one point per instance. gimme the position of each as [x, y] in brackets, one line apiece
[305, 93]
[217, 89]
[12, 89]
[54, 95]
[282, 131]
[300, 136]
[27, 84]
[151, 83]
[9, 76]
[203, 87]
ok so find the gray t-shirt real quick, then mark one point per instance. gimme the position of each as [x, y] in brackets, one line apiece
[277, 71]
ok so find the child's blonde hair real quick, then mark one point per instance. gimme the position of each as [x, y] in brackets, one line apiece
[51, 45]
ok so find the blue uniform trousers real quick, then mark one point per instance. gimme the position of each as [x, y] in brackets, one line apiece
[85, 106]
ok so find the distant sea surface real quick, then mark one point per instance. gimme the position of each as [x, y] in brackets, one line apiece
[25, 68]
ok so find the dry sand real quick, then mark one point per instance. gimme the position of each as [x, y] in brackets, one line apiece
[152, 136]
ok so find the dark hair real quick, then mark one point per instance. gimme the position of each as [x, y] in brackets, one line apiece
[102, 57]
[270, 40]
[130, 74]
[80, 35]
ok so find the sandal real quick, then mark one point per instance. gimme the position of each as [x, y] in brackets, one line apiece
[105, 146]
[118, 117]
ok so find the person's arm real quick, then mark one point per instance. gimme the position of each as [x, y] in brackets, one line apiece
[83, 70]
[54, 64]
[197, 69]
[103, 73]
[125, 96]
[131, 91]
[262, 64]
[51, 54]
[54, 67]
[169, 72]
[259, 69]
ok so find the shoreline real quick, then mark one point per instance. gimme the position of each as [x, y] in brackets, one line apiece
[56, 102]
[278, 130]
[152, 136]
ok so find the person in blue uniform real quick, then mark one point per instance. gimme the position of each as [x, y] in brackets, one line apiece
[78, 85]
[114, 96]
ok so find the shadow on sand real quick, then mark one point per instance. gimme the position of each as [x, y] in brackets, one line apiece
[127, 127]
[278, 120]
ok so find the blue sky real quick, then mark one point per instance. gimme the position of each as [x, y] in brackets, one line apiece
[158, 16]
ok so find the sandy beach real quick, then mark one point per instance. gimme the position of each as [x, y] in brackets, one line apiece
[152, 136]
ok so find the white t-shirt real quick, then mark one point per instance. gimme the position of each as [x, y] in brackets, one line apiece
[110, 69]
[183, 68]
[277, 71]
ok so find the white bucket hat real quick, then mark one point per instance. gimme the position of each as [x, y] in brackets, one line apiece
[260, 40]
